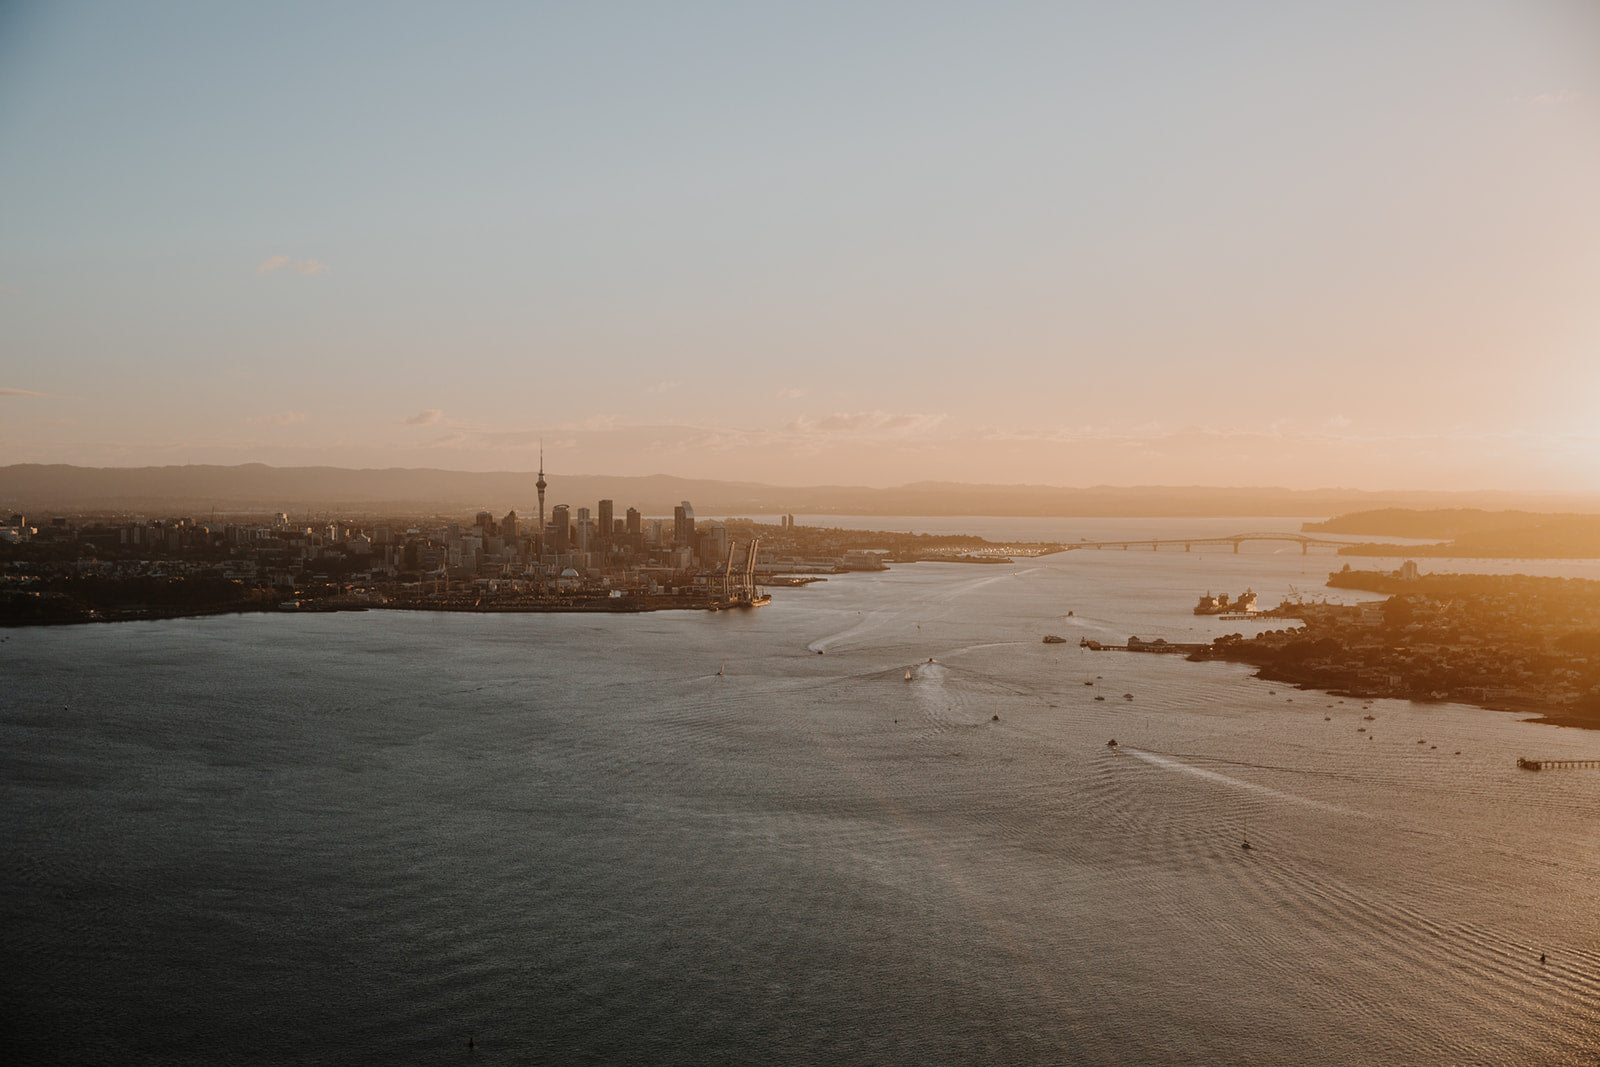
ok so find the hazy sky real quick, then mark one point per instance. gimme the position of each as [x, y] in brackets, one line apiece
[1303, 244]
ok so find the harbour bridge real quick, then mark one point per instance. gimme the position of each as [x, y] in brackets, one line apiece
[1235, 540]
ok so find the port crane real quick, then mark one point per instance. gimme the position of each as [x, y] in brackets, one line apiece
[739, 587]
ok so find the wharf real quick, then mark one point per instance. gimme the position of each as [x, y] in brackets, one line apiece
[1555, 764]
[1159, 646]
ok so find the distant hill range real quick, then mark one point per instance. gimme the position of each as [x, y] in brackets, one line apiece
[39, 490]
[1471, 533]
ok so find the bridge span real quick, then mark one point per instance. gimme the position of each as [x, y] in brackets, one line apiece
[1235, 540]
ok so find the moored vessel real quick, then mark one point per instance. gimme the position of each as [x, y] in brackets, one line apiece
[1221, 605]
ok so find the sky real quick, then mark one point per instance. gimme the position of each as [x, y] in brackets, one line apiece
[1322, 244]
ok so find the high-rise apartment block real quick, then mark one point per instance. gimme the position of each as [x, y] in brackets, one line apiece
[583, 532]
[560, 528]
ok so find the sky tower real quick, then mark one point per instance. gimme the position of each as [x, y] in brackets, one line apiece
[540, 485]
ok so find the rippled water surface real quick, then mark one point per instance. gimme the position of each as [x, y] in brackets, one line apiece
[369, 837]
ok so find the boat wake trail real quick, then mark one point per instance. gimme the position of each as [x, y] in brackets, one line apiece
[1167, 763]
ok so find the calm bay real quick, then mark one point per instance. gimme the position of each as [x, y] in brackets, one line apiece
[685, 837]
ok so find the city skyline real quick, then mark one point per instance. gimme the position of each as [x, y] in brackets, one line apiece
[1303, 245]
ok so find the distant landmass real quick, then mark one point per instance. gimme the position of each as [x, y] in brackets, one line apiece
[1470, 533]
[38, 489]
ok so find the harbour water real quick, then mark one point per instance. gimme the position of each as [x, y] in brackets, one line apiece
[370, 837]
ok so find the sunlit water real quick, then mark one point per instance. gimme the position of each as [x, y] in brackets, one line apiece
[369, 837]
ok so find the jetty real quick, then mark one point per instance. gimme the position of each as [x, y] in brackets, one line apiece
[1159, 646]
[1555, 764]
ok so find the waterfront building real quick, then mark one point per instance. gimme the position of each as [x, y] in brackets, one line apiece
[713, 544]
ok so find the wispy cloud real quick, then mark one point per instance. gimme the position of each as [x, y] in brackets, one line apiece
[789, 392]
[499, 438]
[25, 392]
[282, 418]
[662, 387]
[868, 423]
[803, 436]
[1334, 432]
[430, 417]
[299, 266]
[1560, 96]
[889, 442]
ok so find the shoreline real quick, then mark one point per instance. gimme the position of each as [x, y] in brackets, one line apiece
[626, 608]
[473, 609]
[1542, 714]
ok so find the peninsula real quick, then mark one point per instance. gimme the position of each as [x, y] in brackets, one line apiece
[1507, 642]
[1467, 533]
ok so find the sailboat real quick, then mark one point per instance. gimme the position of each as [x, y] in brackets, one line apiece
[720, 668]
[908, 674]
[1246, 844]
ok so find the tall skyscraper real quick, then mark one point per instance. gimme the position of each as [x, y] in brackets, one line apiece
[603, 520]
[560, 527]
[683, 524]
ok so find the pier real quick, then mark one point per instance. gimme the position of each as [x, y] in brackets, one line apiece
[1159, 646]
[1555, 764]
[1235, 540]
